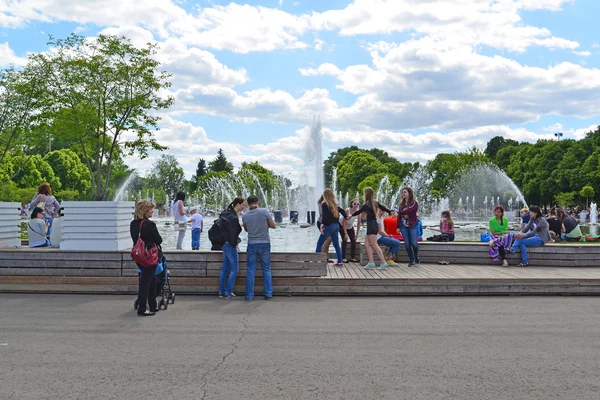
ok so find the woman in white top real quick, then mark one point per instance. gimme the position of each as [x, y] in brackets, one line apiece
[350, 233]
[180, 218]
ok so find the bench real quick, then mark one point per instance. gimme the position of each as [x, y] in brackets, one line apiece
[476, 253]
[54, 270]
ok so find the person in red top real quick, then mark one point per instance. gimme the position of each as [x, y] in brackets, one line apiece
[390, 225]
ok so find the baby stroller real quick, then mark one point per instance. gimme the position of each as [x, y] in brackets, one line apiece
[163, 287]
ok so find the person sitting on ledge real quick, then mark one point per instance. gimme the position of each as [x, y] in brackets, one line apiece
[555, 225]
[384, 239]
[501, 239]
[570, 230]
[535, 234]
[38, 229]
[390, 224]
[447, 225]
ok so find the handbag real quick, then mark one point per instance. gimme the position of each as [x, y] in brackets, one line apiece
[142, 255]
[42, 203]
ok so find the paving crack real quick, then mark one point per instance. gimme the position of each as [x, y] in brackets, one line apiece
[234, 347]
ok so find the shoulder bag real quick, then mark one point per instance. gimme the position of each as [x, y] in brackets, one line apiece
[141, 254]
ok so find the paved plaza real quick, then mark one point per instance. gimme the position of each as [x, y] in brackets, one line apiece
[95, 347]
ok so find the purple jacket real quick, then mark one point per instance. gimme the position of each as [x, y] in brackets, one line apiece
[411, 212]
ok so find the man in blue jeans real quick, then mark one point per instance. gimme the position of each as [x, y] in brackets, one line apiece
[257, 222]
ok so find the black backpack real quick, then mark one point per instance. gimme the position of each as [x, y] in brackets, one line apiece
[217, 234]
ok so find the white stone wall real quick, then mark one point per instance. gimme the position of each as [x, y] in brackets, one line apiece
[10, 220]
[96, 225]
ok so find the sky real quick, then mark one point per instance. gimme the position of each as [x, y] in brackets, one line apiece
[412, 77]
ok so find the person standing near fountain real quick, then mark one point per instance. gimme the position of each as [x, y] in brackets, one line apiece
[408, 225]
[231, 233]
[535, 234]
[371, 208]
[257, 222]
[525, 217]
[181, 221]
[48, 203]
[501, 239]
[330, 224]
[350, 233]
[197, 227]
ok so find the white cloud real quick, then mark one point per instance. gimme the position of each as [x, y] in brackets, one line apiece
[319, 44]
[324, 69]
[8, 56]
[582, 53]
[580, 133]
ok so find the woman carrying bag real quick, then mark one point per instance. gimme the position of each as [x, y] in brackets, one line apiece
[142, 228]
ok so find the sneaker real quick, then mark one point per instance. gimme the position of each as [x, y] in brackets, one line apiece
[382, 267]
[353, 260]
[411, 264]
[391, 262]
[510, 251]
[522, 264]
[147, 313]
[268, 298]
[370, 265]
[338, 264]
[345, 260]
[505, 263]
[248, 300]
[232, 297]
[221, 296]
[418, 261]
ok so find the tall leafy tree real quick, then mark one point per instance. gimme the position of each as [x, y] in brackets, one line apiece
[67, 166]
[105, 95]
[200, 172]
[220, 163]
[23, 102]
[166, 174]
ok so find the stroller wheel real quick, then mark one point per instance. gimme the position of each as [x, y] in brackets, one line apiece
[166, 304]
[173, 298]
[161, 304]
[135, 304]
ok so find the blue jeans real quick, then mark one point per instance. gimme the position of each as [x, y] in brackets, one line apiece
[254, 251]
[46, 244]
[410, 235]
[333, 232]
[229, 270]
[196, 239]
[523, 244]
[48, 220]
[393, 244]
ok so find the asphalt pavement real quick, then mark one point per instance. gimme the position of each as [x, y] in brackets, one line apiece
[95, 347]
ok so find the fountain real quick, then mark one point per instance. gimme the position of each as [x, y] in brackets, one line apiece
[314, 156]
[593, 214]
[122, 192]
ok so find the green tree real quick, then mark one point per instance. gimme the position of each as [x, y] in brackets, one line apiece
[587, 192]
[200, 172]
[565, 199]
[102, 89]
[496, 144]
[73, 174]
[220, 163]
[373, 182]
[166, 174]
[355, 167]
[445, 168]
[35, 170]
[23, 103]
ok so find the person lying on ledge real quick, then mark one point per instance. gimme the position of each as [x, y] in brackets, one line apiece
[535, 234]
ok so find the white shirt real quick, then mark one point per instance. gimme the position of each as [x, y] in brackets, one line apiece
[176, 215]
[381, 228]
[196, 221]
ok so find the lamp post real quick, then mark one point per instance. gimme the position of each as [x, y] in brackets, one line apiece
[558, 135]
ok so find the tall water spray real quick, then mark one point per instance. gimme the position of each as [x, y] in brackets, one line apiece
[121, 193]
[314, 158]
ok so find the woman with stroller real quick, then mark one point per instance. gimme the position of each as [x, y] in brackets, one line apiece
[231, 265]
[143, 227]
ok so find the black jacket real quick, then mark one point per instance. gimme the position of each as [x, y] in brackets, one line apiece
[233, 227]
[150, 234]
[327, 217]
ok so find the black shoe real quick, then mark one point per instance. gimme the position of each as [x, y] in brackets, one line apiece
[154, 310]
[268, 298]
[147, 314]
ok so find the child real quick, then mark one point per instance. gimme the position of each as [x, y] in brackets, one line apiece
[447, 225]
[197, 227]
